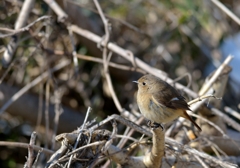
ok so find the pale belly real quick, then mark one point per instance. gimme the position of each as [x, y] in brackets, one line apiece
[158, 114]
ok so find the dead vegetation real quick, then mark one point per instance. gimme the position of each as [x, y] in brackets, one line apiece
[66, 83]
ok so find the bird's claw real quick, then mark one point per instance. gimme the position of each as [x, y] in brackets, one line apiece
[157, 125]
[154, 125]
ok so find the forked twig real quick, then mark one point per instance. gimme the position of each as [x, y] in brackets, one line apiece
[107, 59]
[31, 156]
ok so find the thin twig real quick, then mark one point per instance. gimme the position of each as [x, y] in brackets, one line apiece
[80, 134]
[25, 145]
[111, 64]
[167, 140]
[227, 11]
[31, 151]
[232, 112]
[125, 54]
[210, 123]
[215, 75]
[126, 137]
[194, 106]
[201, 98]
[8, 70]
[26, 28]
[83, 125]
[127, 24]
[46, 112]
[74, 53]
[129, 134]
[192, 151]
[216, 148]
[201, 161]
[123, 121]
[58, 110]
[40, 106]
[185, 75]
[81, 148]
[107, 59]
[36, 159]
[217, 128]
[94, 59]
[227, 119]
[62, 16]
[21, 21]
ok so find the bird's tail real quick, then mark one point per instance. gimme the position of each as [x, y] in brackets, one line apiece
[185, 115]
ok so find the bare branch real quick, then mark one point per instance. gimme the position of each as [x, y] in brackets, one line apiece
[227, 11]
[31, 156]
[21, 21]
[215, 76]
[25, 145]
[20, 30]
[62, 16]
[154, 159]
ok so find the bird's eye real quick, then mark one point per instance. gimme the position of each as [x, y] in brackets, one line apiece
[144, 83]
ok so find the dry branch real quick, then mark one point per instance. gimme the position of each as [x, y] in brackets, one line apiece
[21, 21]
[169, 141]
[127, 55]
[91, 144]
[154, 159]
[227, 11]
[31, 156]
[26, 28]
[24, 145]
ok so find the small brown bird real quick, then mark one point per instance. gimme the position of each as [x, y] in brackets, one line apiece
[160, 102]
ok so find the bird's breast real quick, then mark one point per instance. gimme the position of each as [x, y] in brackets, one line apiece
[155, 112]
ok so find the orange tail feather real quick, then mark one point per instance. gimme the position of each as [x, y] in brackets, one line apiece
[185, 115]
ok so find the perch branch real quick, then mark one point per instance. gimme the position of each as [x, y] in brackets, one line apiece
[154, 159]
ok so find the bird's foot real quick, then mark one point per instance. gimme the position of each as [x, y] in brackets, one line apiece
[154, 125]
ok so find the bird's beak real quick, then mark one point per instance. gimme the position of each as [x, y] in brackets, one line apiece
[135, 81]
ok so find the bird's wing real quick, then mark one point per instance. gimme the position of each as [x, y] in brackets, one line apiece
[166, 99]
